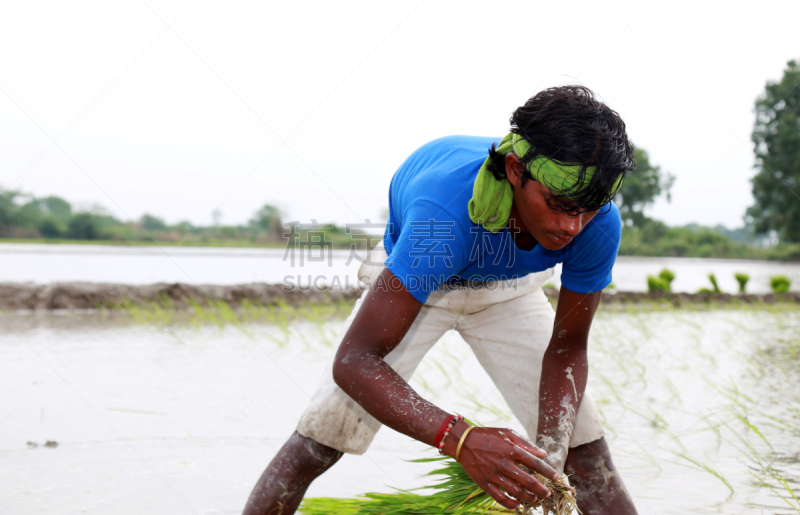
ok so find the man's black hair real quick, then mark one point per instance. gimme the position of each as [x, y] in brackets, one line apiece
[570, 126]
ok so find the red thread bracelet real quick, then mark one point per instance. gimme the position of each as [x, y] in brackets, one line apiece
[453, 422]
[440, 434]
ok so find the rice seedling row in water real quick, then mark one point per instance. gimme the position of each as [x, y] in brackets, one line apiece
[219, 312]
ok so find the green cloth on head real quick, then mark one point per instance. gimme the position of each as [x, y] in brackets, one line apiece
[491, 200]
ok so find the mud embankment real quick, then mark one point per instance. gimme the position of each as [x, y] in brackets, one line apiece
[179, 296]
[27, 296]
[677, 299]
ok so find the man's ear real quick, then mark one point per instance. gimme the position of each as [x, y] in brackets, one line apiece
[514, 170]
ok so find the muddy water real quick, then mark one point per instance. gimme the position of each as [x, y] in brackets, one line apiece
[182, 419]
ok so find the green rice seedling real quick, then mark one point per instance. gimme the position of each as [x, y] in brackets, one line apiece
[644, 324]
[320, 315]
[705, 467]
[455, 493]
[224, 311]
[199, 314]
[445, 373]
[783, 425]
[781, 487]
[647, 456]
[670, 387]
[278, 316]
[783, 483]
[253, 312]
[713, 279]
[746, 421]
[667, 276]
[779, 283]
[655, 284]
[149, 313]
[419, 382]
[715, 287]
[473, 402]
[742, 280]
[166, 302]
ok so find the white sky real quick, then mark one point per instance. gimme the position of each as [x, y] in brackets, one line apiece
[179, 107]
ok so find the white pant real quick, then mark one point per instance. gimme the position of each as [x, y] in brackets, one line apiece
[507, 324]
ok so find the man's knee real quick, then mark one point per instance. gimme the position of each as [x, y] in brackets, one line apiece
[310, 455]
[282, 485]
[590, 462]
[600, 487]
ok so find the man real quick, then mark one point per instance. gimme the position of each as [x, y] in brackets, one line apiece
[469, 243]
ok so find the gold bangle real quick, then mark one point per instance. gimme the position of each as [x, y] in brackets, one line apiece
[461, 442]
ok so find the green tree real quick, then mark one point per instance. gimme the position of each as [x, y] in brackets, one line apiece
[29, 215]
[184, 227]
[641, 188]
[8, 209]
[152, 223]
[56, 207]
[51, 227]
[85, 226]
[268, 220]
[776, 140]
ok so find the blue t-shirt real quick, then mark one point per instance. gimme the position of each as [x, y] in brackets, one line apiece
[431, 240]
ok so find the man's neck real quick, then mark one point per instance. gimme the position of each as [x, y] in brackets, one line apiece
[522, 237]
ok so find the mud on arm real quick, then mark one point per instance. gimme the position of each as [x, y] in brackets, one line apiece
[564, 371]
[359, 369]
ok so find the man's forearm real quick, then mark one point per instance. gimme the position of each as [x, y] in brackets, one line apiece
[385, 395]
[564, 372]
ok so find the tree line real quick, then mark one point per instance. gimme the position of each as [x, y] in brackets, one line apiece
[25, 217]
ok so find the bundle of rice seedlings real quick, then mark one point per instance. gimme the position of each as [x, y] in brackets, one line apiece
[454, 493]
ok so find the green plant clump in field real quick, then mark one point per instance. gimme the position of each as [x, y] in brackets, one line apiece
[455, 494]
[715, 286]
[780, 283]
[667, 276]
[742, 280]
[656, 284]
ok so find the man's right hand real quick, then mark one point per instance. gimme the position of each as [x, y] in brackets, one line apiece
[494, 457]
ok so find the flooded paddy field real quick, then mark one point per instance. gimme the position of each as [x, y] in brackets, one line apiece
[160, 413]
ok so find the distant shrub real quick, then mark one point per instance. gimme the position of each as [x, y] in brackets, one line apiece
[84, 226]
[51, 228]
[667, 276]
[742, 280]
[780, 283]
